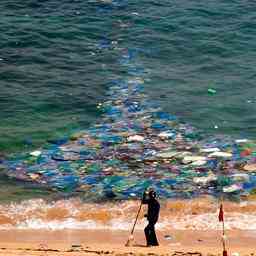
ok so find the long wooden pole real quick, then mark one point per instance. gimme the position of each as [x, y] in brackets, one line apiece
[135, 222]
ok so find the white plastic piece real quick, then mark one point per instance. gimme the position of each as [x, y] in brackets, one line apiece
[220, 154]
[199, 163]
[209, 150]
[36, 153]
[232, 188]
[166, 135]
[189, 159]
[205, 180]
[136, 138]
[241, 141]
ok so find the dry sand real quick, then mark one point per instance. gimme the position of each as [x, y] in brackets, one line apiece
[103, 242]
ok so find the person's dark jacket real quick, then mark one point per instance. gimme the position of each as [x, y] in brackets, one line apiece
[153, 208]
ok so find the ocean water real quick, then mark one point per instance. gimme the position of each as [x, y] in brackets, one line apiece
[58, 58]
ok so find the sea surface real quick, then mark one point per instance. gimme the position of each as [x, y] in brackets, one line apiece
[57, 59]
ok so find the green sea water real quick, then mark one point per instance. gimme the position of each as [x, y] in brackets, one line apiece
[55, 63]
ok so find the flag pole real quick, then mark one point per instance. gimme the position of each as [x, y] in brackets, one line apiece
[223, 238]
[222, 219]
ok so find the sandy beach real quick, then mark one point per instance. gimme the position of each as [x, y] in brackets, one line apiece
[103, 242]
[199, 233]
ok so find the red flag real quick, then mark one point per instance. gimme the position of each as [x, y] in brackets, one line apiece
[221, 214]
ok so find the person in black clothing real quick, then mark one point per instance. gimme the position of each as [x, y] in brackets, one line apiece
[152, 217]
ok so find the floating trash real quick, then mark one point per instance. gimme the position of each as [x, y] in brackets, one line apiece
[136, 145]
[212, 91]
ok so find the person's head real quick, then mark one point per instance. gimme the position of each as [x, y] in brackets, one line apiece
[152, 194]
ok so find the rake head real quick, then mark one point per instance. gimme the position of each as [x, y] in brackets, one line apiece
[130, 241]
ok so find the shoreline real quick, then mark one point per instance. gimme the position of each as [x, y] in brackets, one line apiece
[101, 242]
[194, 214]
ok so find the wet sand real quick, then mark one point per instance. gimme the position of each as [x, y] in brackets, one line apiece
[103, 242]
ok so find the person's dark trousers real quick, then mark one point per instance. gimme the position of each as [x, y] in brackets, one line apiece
[150, 234]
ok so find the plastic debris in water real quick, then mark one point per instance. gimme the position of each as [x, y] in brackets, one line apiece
[212, 91]
[36, 153]
[136, 145]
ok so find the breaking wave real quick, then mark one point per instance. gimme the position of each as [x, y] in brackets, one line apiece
[196, 214]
